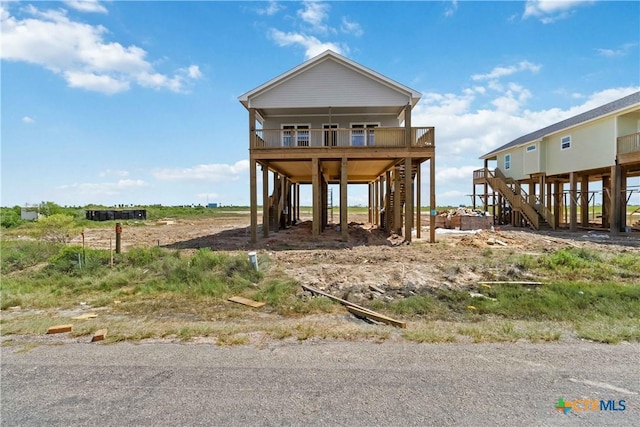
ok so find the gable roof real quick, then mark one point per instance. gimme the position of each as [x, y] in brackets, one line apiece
[598, 112]
[330, 55]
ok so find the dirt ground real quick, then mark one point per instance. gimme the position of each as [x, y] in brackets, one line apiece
[371, 258]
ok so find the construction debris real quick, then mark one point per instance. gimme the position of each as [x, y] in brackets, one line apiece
[464, 219]
[58, 329]
[99, 335]
[374, 288]
[494, 241]
[377, 317]
[355, 308]
[247, 301]
[479, 295]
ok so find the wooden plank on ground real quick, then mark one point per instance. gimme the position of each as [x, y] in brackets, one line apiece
[58, 329]
[99, 335]
[506, 282]
[377, 317]
[247, 301]
[85, 316]
[349, 304]
[334, 298]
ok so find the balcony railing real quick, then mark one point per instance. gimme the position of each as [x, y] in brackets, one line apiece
[629, 143]
[350, 137]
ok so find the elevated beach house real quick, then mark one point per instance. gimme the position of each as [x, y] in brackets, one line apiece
[328, 121]
[550, 177]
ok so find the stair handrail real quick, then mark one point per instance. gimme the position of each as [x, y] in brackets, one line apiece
[498, 179]
[545, 212]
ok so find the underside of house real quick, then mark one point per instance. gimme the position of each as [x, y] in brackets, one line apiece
[568, 194]
[332, 121]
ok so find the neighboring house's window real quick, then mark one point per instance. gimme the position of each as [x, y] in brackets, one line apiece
[565, 143]
[531, 148]
[330, 138]
[295, 135]
[362, 134]
[507, 161]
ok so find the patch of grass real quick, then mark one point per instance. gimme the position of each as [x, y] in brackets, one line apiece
[429, 336]
[609, 331]
[563, 301]
[74, 275]
[281, 296]
[442, 305]
[489, 333]
[19, 255]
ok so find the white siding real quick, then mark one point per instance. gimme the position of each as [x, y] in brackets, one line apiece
[343, 122]
[329, 84]
[531, 159]
[628, 124]
[517, 163]
[592, 146]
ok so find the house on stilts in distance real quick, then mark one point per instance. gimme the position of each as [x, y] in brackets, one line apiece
[539, 175]
[328, 121]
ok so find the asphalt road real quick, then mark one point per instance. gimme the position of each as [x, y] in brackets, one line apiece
[317, 383]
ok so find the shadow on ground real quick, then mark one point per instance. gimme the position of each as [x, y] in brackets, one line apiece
[297, 237]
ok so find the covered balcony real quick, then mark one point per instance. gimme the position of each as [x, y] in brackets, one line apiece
[628, 148]
[360, 137]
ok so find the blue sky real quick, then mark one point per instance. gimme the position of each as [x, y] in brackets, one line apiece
[136, 102]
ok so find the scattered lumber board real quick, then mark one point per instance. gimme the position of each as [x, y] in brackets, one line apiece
[377, 317]
[59, 329]
[85, 316]
[376, 289]
[506, 282]
[247, 301]
[360, 309]
[99, 335]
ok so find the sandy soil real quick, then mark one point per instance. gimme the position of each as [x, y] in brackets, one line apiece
[371, 258]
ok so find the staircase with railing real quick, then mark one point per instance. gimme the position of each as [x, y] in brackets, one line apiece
[535, 214]
[276, 204]
[389, 221]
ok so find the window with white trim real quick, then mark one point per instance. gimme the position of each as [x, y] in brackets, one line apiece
[362, 134]
[507, 161]
[295, 135]
[565, 142]
[531, 148]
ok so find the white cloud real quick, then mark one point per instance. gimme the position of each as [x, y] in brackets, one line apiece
[453, 7]
[465, 127]
[28, 120]
[208, 196]
[621, 51]
[459, 173]
[311, 44]
[79, 52]
[313, 18]
[498, 72]
[91, 6]
[472, 123]
[114, 172]
[314, 13]
[350, 27]
[105, 188]
[549, 11]
[272, 8]
[216, 172]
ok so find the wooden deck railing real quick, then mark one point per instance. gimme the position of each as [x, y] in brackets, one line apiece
[349, 137]
[629, 143]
